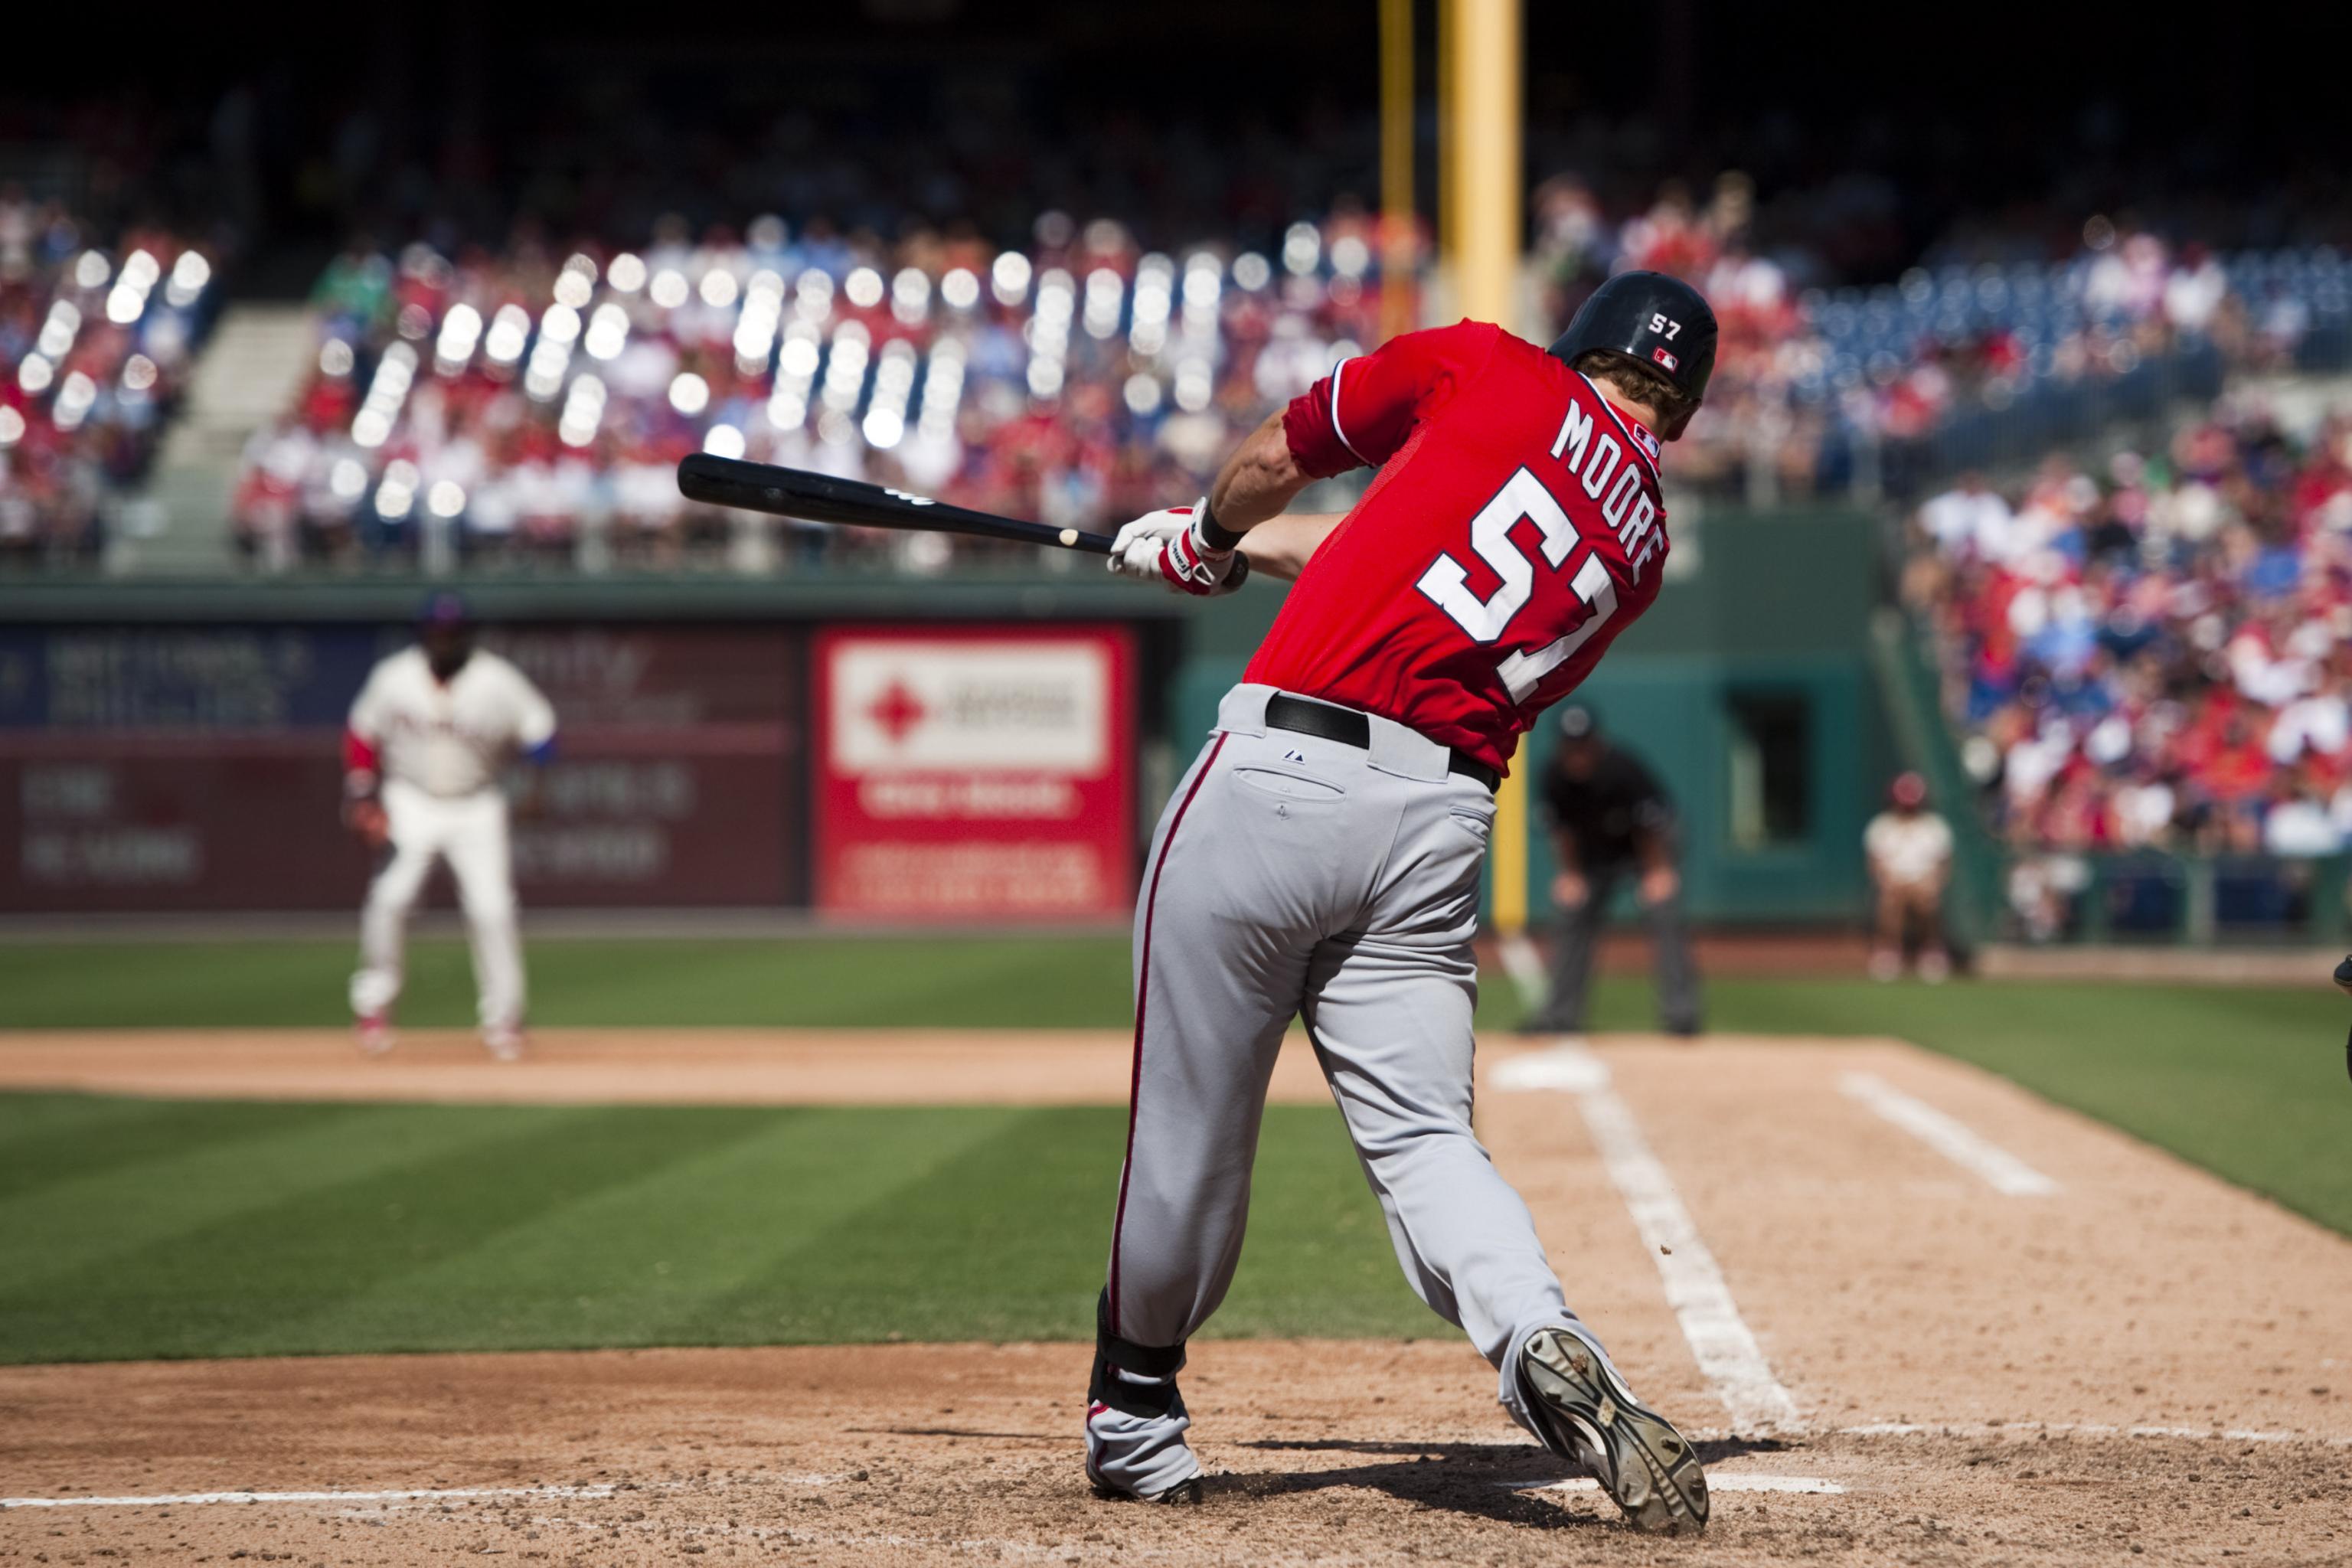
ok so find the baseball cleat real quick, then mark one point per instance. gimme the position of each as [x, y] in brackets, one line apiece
[1584, 1412]
[506, 1043]
[1187, 1491]
[373, 1032]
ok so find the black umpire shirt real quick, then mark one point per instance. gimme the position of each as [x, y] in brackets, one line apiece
[1608, 807]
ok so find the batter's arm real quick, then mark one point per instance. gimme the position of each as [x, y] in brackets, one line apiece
[1281, 546]
[1258, 480]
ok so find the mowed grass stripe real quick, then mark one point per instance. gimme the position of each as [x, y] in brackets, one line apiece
[233, 1286]
[196, 984]
[430, 1227]
[1044, 981]
[636, 1263]
[1007, 1238]
[1009, 1241]
[205, 1168]
[47, 1139]
[1318, 1262]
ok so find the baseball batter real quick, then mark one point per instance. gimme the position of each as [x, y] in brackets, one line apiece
[1321, 858]
[428, 737]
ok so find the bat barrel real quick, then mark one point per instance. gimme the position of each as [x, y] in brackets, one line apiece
[822, 498]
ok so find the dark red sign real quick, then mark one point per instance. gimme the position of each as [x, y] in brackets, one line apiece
[677, 781]
[974, 772]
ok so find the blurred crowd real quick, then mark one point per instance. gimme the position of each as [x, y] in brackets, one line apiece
[96, 343]
[2156, 654]
[534, 397]
[1816, 388]
[534, 402]
[1766, 343]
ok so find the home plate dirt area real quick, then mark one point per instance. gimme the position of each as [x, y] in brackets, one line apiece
[1916, 1314]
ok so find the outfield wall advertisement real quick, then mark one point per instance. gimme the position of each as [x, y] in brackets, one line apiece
[974, 773]
[197, 768]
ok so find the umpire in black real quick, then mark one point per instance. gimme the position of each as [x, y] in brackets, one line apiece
[1611, 818]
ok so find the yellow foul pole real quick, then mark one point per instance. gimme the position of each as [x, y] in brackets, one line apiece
[1480, 107]
[1399, 283]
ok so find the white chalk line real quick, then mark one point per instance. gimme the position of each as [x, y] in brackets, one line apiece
[804, 1535]
[413, 1494]
[1716, 1483]
[2085, 1429]
[1720, 1340]
[1954, 1139]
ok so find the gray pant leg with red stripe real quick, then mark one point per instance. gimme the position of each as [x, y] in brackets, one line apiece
[1297, 877]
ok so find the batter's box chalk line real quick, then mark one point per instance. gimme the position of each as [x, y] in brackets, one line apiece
[1720, 1340]
[1999, 1169]
[418, 1494]
[1811, 1485]
[1985, 1429]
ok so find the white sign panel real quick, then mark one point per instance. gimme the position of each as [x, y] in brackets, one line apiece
[911, 706]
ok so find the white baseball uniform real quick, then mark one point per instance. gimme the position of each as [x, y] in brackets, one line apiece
[1908, 850]
[439, 750]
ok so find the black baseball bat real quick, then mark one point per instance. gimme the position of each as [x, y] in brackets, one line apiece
[820, 498]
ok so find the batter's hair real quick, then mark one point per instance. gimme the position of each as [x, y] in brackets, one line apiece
[1643, 384]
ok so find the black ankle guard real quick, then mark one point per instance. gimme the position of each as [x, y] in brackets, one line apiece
[1160, 1362]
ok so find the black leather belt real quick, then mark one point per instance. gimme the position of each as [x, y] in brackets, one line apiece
[1304, 716]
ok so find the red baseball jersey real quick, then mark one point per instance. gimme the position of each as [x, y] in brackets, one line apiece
[1514, 529]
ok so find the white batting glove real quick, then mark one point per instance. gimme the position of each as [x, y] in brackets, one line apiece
[1166, 547]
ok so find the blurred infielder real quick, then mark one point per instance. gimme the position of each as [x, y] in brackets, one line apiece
[1321, 858]
[429, 736]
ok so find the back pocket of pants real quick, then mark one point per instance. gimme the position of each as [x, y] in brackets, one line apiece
[1478, 825]
[1287, 786]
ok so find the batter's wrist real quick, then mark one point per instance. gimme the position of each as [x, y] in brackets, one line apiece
[1214, 534]
[359, 785]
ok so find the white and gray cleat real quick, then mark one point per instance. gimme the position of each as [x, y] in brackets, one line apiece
[1585, 1413]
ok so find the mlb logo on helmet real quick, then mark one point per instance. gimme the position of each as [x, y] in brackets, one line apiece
[1664, 358]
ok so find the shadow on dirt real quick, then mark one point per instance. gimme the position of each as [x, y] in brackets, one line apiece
[1710, 1450]
[1485, 1479]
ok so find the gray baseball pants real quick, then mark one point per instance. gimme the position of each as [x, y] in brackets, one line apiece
[1297, 876]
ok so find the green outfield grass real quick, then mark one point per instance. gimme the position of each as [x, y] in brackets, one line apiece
[135, 1228]
[1044, 982]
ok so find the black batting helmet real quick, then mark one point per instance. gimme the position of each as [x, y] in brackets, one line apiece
[1662, 321]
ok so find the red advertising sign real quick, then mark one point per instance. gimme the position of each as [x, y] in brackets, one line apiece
[982, 773]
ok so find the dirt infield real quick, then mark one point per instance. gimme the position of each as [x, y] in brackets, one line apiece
[611, 1066]
[1918, 1315]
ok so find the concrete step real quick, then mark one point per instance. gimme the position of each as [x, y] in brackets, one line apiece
[257, 359]
[248, 376]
